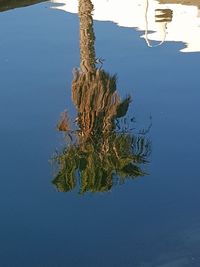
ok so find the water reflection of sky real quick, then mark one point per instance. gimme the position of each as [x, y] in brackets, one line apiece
[153, 221]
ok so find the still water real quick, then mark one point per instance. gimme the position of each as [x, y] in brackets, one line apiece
[100, 133]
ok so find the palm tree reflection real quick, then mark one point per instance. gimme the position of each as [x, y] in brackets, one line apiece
[100, 153]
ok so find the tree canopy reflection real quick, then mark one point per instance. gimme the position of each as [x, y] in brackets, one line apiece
[100, 153]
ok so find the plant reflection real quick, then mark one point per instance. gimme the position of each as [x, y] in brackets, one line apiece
[100, 152]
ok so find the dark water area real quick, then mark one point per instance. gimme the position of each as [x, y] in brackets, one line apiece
[96, 170]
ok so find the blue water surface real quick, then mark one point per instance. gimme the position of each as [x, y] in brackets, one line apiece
[151, 221]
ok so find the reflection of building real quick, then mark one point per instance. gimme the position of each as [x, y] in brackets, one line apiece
[10, 4]
[162, 18]
[163, 15]
[143, 15]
